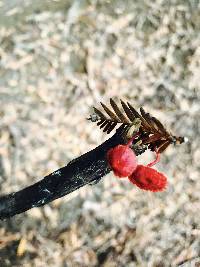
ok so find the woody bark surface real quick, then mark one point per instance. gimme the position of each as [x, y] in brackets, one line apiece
[86, 169]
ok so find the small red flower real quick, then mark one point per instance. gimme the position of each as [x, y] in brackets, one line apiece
[147, 178]
[122, 159]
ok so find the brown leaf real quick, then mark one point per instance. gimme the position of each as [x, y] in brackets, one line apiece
[128, 112]
[118, 112]
[109, 112]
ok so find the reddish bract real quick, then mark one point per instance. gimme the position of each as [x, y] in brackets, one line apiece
[122, 160]
[147, 178]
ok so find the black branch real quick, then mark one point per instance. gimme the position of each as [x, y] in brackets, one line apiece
[86, 169]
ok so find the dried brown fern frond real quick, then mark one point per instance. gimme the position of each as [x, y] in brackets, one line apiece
[152, 132]
[112, 117]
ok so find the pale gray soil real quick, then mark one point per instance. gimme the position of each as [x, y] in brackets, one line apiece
[57, 60]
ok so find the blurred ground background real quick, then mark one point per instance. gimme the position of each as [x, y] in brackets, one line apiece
[57, 60]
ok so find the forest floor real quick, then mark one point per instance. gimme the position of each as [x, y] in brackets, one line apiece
[58, 59]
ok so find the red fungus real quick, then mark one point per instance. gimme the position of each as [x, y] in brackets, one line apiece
[122, 159]
[147, 178]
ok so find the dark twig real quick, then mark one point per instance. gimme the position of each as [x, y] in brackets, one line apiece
[86, 169]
